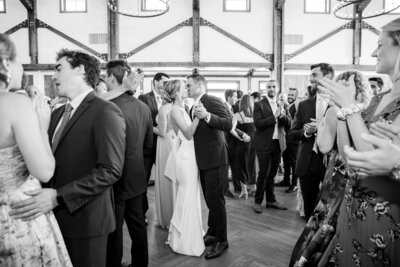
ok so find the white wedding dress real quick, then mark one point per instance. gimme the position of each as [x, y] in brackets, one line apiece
[185, 230]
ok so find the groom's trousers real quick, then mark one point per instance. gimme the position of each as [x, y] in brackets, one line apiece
[213, 183]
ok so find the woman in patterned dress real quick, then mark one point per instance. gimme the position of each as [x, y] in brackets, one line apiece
[25, 153]
[368, 225]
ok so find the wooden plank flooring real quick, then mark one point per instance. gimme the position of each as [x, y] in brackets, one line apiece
[265, 239]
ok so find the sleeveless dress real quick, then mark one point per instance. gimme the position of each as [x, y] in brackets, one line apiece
[37, 242]
[165, 189]
[185, 231]
[246, 155]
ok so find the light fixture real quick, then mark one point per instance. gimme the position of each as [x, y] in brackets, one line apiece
[345, 9]
[140, 13]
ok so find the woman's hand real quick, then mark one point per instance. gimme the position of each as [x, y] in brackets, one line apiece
[386, 131]
[43, 111]
[342, 93]
[379, 161]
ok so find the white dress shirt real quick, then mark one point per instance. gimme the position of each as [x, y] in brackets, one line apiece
[274, 107]
[75, 104]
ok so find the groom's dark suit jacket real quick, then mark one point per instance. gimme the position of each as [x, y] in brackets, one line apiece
[209, 139]
[139, 136]
[89, 160]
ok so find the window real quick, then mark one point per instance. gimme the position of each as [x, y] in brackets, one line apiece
[152, 5]
[317, 6]
[236, 5]
[2, 6]
[73, 6]
[217, 88]
[390, 4]
[262, 85]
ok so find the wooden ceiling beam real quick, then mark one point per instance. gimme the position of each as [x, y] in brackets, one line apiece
[196, 31]
[113, 33]
[28, 4]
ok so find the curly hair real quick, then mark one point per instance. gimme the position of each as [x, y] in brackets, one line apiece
[363, 93]
[169, 91]
[90, 63]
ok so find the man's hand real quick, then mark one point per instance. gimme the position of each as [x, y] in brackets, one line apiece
[311, 127]
[379, 161]
[42, 201]
[246, 138]
[200, 111]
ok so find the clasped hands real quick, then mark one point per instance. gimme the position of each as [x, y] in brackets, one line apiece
[41, 201]
[200, 111]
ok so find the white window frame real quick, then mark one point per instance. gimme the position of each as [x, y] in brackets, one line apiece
[4, 6]
[248, 7]
[327, 8]
[63, 7]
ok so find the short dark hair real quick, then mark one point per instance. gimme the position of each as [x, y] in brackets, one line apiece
[325, 68]
[256, 95]
[158, 76]
[198, 78]
[117, 68]
[239, 94]
[229, 93]
[90, 63]
[378, 80]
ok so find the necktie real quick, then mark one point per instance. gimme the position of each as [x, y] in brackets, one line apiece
[60, 130]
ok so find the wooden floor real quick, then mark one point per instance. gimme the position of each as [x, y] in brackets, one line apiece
[264, 239]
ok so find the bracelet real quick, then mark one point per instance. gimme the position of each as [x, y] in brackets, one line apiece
[346, 111]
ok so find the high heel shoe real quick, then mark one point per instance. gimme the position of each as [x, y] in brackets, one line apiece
[244, 195]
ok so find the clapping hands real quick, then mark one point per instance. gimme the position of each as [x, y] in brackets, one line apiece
[132, 81]
[311, 127]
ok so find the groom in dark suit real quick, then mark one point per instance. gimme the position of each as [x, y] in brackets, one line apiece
[212, 159]
[130, 189]
[309, 166]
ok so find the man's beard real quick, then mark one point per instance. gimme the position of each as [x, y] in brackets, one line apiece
[313, 90]
[271, 94]
[290, 100]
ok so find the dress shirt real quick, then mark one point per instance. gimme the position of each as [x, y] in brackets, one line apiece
[75, 104]
[158, 99]
[274, 107]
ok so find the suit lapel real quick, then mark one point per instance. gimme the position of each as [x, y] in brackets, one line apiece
[55, 118]
[80, 110]
[313, 108]
[267, 106]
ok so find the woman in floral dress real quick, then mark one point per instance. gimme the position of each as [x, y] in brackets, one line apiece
[368, 225]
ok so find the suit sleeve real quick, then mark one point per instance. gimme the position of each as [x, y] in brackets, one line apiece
[220, 116]
[296, 131]
[148, 140]
[259, 121]
[109, 139]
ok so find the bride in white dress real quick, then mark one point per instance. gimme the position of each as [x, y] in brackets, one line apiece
[185, 231]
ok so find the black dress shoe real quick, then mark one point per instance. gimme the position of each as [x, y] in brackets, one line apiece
[282, 183]
[217, 250]
[291, 189]
[150, 183]
[209, 240]
[276, 205]
[228, 193]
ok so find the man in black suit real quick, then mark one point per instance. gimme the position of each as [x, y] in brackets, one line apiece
[88, 142]
[309, 167]
[129, 190]
[212, 159]
[153, 100]
[289, 156]
[269, 142]
[235, 106]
